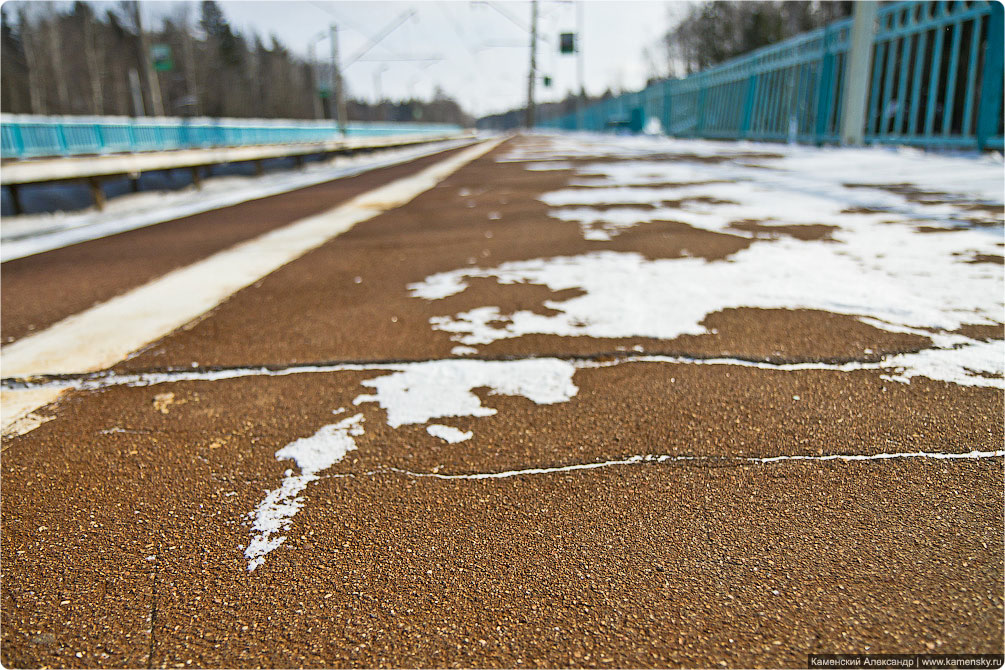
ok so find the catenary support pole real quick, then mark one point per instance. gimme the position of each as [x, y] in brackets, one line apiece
[863, 30]
[136, 93]
[315, 94]
[532, 75]
[337, 89]
[579, 66]
[156, 106]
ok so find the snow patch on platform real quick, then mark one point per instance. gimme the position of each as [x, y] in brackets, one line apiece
[875, 265]
[415, 394]
[644, 160]
[313, 455]
[449, 433]
[627, 295]
[444, 388]
[971, 364]
[741, 193]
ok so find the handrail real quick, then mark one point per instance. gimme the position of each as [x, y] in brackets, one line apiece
[30, 136]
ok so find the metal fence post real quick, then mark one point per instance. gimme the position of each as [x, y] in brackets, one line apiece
[863, 30]
[989, 109]
[699, 125]
[18, 140]
[748, 105]
[64, 147]
[825, 87]
[667, 107]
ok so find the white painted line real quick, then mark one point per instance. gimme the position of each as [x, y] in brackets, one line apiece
[18, 415]
[105, 334]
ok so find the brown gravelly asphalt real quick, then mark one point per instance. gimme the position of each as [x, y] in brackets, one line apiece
[124, 518]
[486, 214]
[137, 560]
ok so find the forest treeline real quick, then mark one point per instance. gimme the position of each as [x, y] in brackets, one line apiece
[713, 32]
[82, 61]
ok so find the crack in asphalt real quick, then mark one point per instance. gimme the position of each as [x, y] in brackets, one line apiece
[149, 377]
[153, 615]
[695, 460]
[725, 460]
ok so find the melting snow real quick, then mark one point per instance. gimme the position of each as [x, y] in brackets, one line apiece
[793, 185]
[975, 176]
[449, 433]
[312, 454]
[887, 275]
[970, 364]
[627, 295]
[444, 388]
[415, 394]
[876, 266]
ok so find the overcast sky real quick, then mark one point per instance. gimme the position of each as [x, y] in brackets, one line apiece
[482, 48]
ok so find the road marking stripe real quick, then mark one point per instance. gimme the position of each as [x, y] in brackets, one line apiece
[99, 337]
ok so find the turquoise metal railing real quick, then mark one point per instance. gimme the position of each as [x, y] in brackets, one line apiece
[932, 82]
[936, 80]
[34, 136]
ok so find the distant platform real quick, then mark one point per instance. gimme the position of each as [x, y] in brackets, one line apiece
[30, 171]
[95, 168]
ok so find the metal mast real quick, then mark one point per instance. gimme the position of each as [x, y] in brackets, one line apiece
[532, 76]
[338, 109]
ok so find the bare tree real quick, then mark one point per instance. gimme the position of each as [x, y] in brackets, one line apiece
[85, 17]
[220, 71]
[57, 63]
[143, 58]
[188, 56]
[713, 32]
[35, 81]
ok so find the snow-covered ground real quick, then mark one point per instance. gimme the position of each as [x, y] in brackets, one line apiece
[880, 262]
[25, 235]
[979, 176]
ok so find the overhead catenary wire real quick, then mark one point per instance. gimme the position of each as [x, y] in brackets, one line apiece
[384, 32]
[474, 76]
[339, 17]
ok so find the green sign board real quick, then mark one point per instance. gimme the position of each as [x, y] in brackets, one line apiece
[160, 54]
[567, 43]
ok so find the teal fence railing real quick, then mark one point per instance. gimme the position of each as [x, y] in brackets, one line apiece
[36, 136]
[936, 81]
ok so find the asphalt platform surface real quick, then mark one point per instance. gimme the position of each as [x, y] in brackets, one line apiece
[641, 521]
